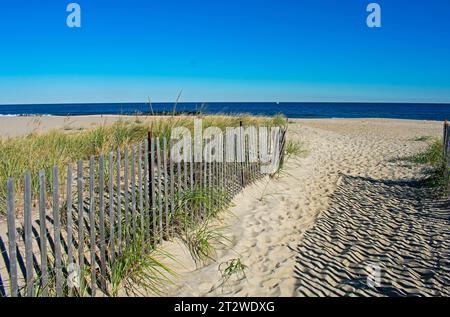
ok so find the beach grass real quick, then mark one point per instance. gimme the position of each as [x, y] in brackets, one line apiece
[295, 148]
[422, 138]
[35, 152]
[433, 156]
[140, 271]
[197, 228]
[230, 268]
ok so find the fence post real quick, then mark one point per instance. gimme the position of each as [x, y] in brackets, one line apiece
[101, 182]
[43, 234]
[166, 189]
[69, 222]
[141, 198]
[80, 224]
[149, 158]
[242, 150]
[92, 226]
[445, 138]
[111, 210]
[126, 200]
[446, 149]
[12, 239]
[153, 189]
[160, 207]
[172, 181]
[133, 190]
[28, 235]
[119, 203]
[57, 232]
[146, 213]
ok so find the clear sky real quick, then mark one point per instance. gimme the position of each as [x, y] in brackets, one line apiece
[224, 50]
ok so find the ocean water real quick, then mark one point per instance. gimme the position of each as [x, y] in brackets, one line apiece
[292, 110]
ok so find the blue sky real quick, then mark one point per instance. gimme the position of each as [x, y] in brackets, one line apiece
[234, 50]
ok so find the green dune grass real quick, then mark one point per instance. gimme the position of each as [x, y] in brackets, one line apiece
[35, 152]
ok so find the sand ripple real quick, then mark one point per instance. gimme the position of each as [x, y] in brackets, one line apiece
[406, 235]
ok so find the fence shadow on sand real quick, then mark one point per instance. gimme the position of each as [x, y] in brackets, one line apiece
[377, 238]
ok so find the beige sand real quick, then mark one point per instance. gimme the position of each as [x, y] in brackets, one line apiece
[18, 126]
[271, 221]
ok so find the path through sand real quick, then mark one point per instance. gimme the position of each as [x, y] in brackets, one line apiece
[272, 220]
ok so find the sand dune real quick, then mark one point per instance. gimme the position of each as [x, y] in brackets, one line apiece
[275, 220]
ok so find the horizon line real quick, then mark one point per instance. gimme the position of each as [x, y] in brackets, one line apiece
[237, 102]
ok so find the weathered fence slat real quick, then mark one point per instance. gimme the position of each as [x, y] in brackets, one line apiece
[160, 194]
[210, 181]
[43, 234]
[146, 215]
[126, 201]
[119, 203]
[153, 189]
[445, 134]
[69, 224]
[112, 222]
[101, 190]
[225, 169]
[166, 193]
[133, 190]
[179, 186]
[446, 149]
[180, 179]
[172, 183]
[141, 198]
[185, 169]
[12, 239]
[92, 226]
[28, 235]
[80, 225]
[57, 234]
[216, 182]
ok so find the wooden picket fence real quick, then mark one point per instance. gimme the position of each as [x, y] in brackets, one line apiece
[447, 152]
[84, 223]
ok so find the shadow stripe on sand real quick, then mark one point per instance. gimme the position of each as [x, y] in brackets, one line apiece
[377, 238]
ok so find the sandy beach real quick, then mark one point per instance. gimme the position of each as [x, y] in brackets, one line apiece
[275, 222]
[19, 126]
[313, 230]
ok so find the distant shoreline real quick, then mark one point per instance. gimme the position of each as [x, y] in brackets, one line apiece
[167, 114]
[23, 125]
[417, 111]
[228, 102]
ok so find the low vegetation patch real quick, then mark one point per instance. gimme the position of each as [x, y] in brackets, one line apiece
[36, 152]
[433, 156]
[233, 267]
[295, 148]
[139, 271]
[423, 138]
[292, 149]
[198, 228]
